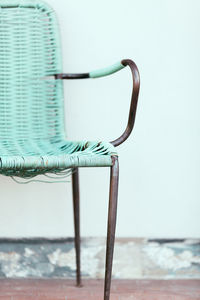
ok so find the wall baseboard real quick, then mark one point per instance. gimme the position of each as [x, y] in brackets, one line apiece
[134, 258]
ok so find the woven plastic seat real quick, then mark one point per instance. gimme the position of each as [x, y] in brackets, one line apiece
[32, 135]
[28, 158]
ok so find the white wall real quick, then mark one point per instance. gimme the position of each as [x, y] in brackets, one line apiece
[159, 192]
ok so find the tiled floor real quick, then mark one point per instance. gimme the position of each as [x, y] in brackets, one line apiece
[61, 289]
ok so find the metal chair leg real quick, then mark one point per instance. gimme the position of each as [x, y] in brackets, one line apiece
[76, 206]
[112, 213]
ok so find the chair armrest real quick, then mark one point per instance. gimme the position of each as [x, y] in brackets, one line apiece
[135, 91]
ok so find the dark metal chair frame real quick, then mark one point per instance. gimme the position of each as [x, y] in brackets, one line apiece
[114, 179]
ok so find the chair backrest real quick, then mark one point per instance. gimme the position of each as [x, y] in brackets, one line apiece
[31, 100]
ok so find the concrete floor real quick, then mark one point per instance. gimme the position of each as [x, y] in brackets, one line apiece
[62, 289]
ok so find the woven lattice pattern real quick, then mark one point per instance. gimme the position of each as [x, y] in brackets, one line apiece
[31, 105]
[32, 135]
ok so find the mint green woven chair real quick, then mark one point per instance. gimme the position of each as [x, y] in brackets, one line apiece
[32, 134]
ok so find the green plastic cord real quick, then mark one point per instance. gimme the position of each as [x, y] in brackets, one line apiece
[32, 132]
[106, 71]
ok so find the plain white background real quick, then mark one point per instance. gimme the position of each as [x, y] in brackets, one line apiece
[159, 193]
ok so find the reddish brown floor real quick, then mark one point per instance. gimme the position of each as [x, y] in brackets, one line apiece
[60, 289]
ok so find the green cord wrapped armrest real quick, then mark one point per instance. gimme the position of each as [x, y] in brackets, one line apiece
[106, 71]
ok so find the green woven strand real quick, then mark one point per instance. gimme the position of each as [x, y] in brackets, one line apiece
[37, 180]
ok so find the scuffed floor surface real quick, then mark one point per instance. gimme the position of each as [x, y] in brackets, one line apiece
[61, 289]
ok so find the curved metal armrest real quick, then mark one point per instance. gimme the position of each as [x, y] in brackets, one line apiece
[135, 91]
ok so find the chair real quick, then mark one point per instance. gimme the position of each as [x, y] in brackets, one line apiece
[32, 134]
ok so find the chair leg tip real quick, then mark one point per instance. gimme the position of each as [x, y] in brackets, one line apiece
[79, 282]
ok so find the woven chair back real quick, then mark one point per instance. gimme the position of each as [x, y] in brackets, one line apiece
[31, 100]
